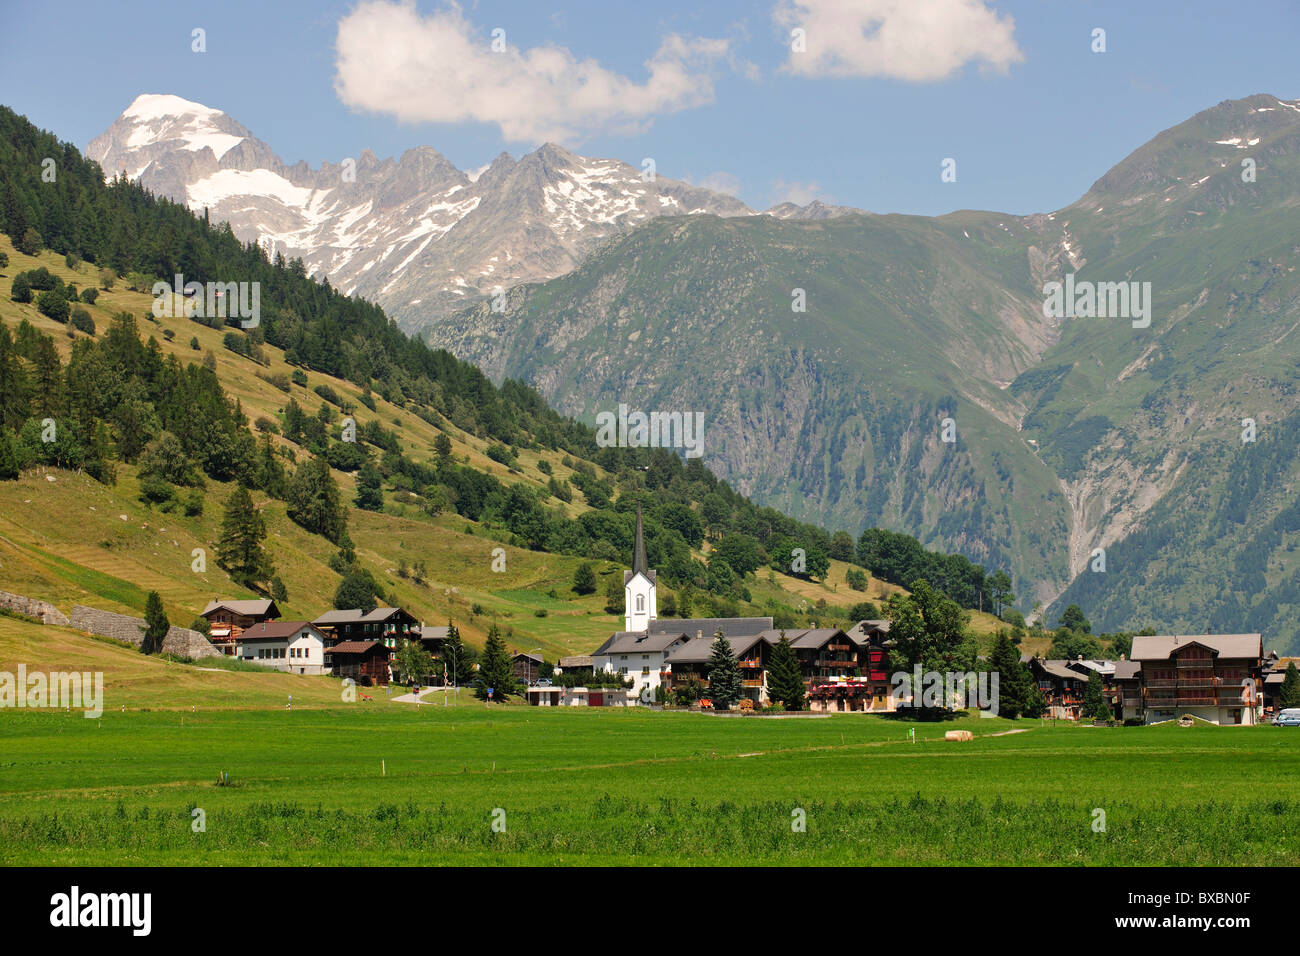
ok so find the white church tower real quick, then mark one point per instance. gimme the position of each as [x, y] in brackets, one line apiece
[639, 585]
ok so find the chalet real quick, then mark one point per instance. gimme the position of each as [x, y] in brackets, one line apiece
[579, 662]
[689, 660]
[1272, 677]
[639, 655]
[1215, 677]
[431, 638]
[387, 625]
[1061, 685]
[294, 646]
[227, 620]
[365, 662]
[1126, 695]
[527, 668]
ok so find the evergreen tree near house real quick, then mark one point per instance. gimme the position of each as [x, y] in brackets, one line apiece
[1094, 698]
[240, 552]
[999, 585]
[496, 672]
[724, 674]
[156, 624]
[1013, 677]
[584, 579]
[457, 659]
[784, 677]
[1289, 694]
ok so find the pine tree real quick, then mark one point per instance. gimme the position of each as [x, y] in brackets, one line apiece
[614, 596]
[240, 552]
[156, 625]
[370, 491]
[784, 676]
[314, 501]
[442, 447]
[1094, 702]
[457, 659]
[1013, 678]
[1289, 694]
[584, 579]
[8, 456]
[724, 674]
[496, 672]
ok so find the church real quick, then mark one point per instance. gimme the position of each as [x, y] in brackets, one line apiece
[644, 648]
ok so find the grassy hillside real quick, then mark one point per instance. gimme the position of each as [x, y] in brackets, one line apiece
[69, 539]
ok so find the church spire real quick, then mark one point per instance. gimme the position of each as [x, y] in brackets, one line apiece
[639, 562]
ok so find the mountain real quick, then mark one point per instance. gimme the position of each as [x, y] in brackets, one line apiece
[416, 235]
[1072, 433]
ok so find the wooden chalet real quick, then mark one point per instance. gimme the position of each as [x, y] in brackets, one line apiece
[527, 668]
[1213, 677]
[689, 661]
[227, 620]
[366, 662]
[1061, 685]
[387, 625]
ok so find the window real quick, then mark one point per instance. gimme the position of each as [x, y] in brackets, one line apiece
[645, 672]
[640, 602]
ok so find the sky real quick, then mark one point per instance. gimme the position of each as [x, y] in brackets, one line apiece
[879, 95]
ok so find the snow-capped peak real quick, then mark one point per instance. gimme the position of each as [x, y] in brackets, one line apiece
[183, 124]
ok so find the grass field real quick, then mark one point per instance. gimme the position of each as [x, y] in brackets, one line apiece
[379, 782]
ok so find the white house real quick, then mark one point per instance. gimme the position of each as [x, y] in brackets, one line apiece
[294, 646]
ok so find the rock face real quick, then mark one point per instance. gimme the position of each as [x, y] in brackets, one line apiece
[180, 641]
[415, 234]
[46, 612]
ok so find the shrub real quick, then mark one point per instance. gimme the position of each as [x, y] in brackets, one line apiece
[168, 334]
[327, 393]
[54, 305]
[89, 296]
[194, 343]
[30, 243]
[21, 290]
[72, 260]
[299, 377]
[82, 322]
[106, 278]
[42, 279]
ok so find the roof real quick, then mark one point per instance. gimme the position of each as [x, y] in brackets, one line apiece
[699, 649]
[276, 630]
[262, 607]
[578, 661]
[356, 616]
[527, 656]
[1060, 668]
[1127, 670]
[1160, 646]
[813, 637]
[730, 626]
[356, 647]
[639, 642]
[434, 633]
[861, 632]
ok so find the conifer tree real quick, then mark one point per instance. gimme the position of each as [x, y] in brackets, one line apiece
[8, 456]
[1094, 703]
[370, 491]
[1013, 678]
[496, 672]
[724, 674]
[156, 625]
[584, 579]
[1289, 694]
[457, 659]
[784, 677]
[314, 501]
[240, 552]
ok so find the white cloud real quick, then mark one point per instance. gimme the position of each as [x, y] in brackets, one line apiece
[801, 194]
[913, 40]
[440, 68]
[719, 182]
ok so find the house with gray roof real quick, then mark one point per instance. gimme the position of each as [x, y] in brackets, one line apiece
[1217, 678]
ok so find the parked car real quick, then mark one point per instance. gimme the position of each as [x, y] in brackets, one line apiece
[1288, 718]
[543, 682]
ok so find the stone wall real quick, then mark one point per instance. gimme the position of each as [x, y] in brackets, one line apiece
[180, 641]
[43, 611]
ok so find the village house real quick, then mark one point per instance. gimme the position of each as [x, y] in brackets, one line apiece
[1060, 684]
[432, 638]
[227, 620]
[294, 646]
[1213, 677]
[1125, 697]
[365, 662]
[387, 625]
[689, 661]
[527, 668]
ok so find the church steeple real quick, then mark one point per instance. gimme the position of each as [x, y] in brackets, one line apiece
[639, 584]
[639, 563]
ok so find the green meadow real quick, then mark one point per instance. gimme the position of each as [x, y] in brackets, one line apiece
[386, 783]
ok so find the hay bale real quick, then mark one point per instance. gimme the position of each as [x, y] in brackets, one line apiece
[958, 735]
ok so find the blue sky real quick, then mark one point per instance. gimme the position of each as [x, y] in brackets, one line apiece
[1009, 88]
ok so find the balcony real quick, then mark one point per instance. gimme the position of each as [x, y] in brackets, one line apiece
[751, 683]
